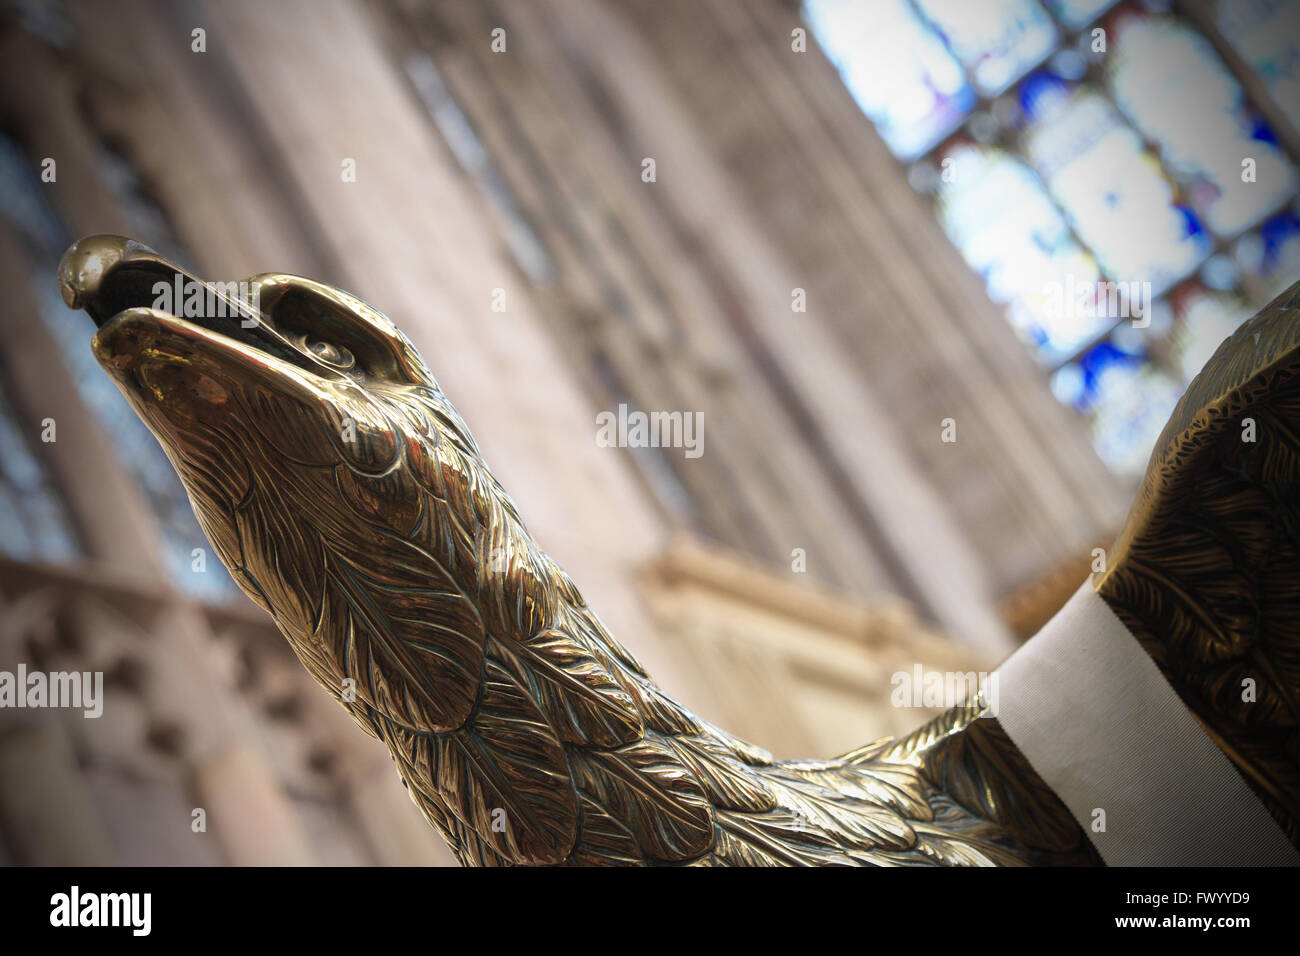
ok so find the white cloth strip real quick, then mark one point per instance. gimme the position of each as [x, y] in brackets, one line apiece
[1100, 724]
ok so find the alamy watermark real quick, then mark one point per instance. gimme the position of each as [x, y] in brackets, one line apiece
[1099, 299]
[190, 299]
[57, 689]
[633, 428]
[130, 910]
[943, 689]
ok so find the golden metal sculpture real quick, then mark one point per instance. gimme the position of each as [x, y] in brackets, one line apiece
[1206, 573]
[348, 499]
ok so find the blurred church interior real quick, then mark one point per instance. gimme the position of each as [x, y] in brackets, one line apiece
[839, 252]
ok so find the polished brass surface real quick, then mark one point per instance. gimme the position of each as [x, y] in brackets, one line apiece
[1206, 573]
[348, 499]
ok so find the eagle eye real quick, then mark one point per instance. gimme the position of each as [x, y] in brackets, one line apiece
[333, 355]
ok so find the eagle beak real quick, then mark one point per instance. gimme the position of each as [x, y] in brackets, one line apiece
[106, 274]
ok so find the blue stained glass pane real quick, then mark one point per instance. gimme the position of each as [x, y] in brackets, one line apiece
[1118, 200]
[1126, 400]
[998, 214]
[1173, 86]
[997, 40]
[1043, 95]
[1282, 247]
[899, 72]
[1077, 13]
[1266, 34]
[1272, 254]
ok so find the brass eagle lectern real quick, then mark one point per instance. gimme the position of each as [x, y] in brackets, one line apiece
[348, 499]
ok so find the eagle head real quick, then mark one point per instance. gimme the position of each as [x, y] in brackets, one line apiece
[334, 479]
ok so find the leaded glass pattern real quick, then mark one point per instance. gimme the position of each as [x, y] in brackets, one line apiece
[1180, 96]
[1112, 171]
[997, 41]
[911, 86]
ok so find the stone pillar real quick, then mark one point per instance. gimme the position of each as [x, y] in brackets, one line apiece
[247, 808]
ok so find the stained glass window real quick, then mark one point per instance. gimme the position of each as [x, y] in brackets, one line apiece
[1174, 88]
[1121, 204]
[1269, 257]
[1011, 233]
[996, 40]
[910, 84]
[24, 208]
[34, 522]
[1127, 193]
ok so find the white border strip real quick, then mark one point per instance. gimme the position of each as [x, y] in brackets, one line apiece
[1103, 728]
